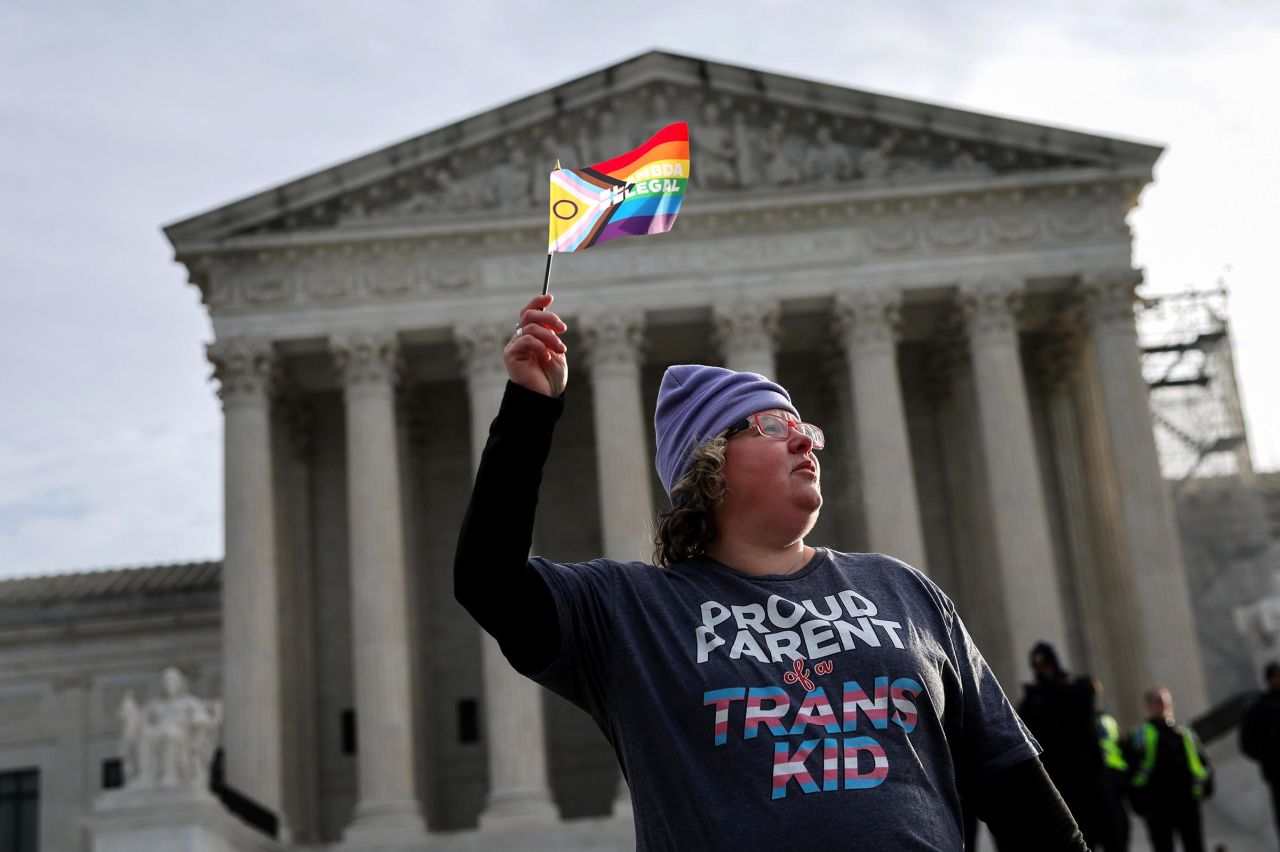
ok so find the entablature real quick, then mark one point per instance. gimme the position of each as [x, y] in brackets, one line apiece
[300, 290]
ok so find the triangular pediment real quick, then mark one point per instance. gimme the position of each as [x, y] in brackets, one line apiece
[750, 132]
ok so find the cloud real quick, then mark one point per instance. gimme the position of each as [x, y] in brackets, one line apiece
[89, 496]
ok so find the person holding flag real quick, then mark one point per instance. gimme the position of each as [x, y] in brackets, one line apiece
[759, 692]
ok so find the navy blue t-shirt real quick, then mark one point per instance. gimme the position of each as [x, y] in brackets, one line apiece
[839, 706]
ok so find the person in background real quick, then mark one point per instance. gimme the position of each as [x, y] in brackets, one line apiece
[1113, 816]
[1170, 776]
[1059, 711]
[1260, 735]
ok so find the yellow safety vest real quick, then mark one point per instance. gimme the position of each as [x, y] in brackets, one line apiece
[1109, 741]
[1145, 735]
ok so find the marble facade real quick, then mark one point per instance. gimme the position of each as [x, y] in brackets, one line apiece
[949, 294]
[895, 264]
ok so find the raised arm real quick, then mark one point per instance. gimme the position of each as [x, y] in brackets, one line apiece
[492, 577]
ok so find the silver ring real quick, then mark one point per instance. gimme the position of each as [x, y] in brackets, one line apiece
[519, 330]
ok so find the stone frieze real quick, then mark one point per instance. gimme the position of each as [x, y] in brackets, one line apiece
[817, 233]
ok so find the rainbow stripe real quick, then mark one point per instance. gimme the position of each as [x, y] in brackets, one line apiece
[631, 195]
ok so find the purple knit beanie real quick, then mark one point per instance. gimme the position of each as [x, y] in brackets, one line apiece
[697, 403]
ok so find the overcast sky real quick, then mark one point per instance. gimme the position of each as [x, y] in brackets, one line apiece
[120, 117]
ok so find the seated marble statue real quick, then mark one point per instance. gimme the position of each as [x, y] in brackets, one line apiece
[170, 741]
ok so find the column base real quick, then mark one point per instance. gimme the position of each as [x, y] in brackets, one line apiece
[386, 826]
[516, 809]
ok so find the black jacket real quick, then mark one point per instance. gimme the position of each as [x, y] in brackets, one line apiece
[1059, 711]
[1260, 734]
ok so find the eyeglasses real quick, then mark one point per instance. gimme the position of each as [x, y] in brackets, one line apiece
[778, 428]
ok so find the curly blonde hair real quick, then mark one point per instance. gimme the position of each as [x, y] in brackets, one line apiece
[688, 526]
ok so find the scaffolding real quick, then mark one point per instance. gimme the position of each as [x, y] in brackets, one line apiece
[1190, 372]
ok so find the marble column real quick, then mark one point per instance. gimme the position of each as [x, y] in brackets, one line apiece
[866, 323]
[1164, 610]
[387, 810]
[746, 334]
[1058, 360]
[613, 345]
[519, 793]
[251, 660]
[1127, 657]
[1024, 552]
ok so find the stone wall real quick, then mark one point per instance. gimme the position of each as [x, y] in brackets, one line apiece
[66, 662]
[1230, 555]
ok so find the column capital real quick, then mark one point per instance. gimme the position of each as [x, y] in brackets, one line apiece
[1107, 296]
[246, 369]
[989, 306]
[752, 324]
[868, 318]
[367, 358]
[480, 346]
[613, 339]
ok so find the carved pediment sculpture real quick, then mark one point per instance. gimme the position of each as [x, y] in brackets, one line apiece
[749, 132]
[739, 144]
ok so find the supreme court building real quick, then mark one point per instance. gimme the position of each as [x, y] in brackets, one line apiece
[948, 294]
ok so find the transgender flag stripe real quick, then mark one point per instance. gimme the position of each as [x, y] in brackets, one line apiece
[880, 770]
[791, 767]
[721, 699]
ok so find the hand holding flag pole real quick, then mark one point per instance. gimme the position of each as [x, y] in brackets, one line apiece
[635, 194]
